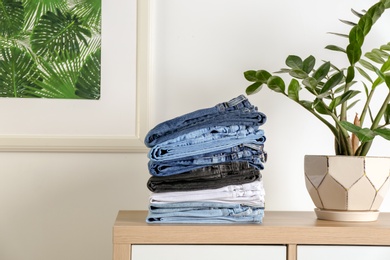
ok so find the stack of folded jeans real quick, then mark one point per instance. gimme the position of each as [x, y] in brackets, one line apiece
[205, 166]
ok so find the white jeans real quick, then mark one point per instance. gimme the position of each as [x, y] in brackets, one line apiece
[251, 194]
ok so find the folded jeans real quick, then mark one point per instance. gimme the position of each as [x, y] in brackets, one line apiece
[203, 213]
[253, 154]
[250, 194]
[198, 147]
[237, 111]
[208, 177]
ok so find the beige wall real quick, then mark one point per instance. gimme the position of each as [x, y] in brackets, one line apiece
[62, 206]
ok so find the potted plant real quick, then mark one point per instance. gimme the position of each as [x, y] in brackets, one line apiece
[334, 181]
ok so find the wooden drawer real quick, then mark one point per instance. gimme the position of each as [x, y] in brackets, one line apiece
[208, 252]
[308, 252]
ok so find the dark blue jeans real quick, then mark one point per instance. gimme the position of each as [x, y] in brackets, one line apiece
[238, 111]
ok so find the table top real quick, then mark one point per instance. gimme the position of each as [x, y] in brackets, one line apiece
[278, 227]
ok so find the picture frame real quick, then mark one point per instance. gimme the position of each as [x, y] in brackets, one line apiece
[105, 142]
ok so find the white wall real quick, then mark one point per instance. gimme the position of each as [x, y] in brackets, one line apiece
[62, 205]
[201, 49]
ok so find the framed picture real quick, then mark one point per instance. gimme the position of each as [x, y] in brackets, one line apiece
[117, 121]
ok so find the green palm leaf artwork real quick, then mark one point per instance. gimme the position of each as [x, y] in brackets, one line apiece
[50, 49]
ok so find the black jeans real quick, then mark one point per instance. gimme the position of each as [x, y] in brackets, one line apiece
[209, 177]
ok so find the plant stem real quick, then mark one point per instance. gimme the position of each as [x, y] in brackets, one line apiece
[340, 134]
[366, 106]
[344, 106]
[365, 147]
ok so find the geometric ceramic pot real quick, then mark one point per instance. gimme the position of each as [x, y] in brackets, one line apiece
[347, 188]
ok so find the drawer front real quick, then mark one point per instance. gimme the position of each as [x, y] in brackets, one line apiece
[207, 252]
[343, 252]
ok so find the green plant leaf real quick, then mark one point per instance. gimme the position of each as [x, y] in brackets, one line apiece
[262, 76]
[250, 75]
[322, 71]
[339, 89]
[377, 82]
[311, 90]
[298, 73]
[283, 70]
[386, 66]
[88, 83]
[383, 132]
[365, 24]
[364, 74]
[293, 90]
[310, 83]
[307, 104]
[384, 77]
[340, 34]
[342, 98]
[380, 74]
[354, 53]
[276, 84]
[294, 62]
[254, 88]
[90, 11]
[347, 22]
[352, 104]
[385, 47]
[350, 74]
[17, 72]
[35, 9]
[308, 64]
[356, 13]
[356, 36]
[364, 134]
[387, 80]
[320, 107]
[386, 3]
[387, 114]
[332, 82]
[375, 11]
[348, 95]
[375, 57]
[335, 48]
[381, 53]
[58, 79]
[59, 35]
[11, 17]
[367, 65]
[334, 103]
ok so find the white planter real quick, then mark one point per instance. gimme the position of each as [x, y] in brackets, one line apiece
[347, 188]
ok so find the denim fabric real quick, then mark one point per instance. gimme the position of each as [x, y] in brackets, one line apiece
[208, 177]
[238, 111]
[205, 145]
[253, 154]
[204, 212]
[210, 133]
[250, 194]
[158, 208]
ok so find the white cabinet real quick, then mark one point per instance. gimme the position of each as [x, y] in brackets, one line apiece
[207, 252]
[343, 252]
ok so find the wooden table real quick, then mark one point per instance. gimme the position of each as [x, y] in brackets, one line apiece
[278, 228]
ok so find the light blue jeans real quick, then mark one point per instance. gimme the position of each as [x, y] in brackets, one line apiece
[191, 145]
[204, 212]
[238, 111]
[254, 154]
